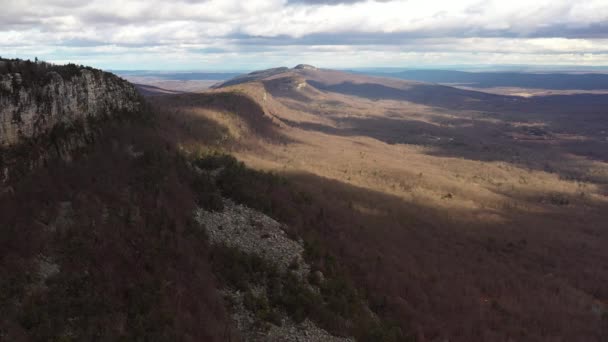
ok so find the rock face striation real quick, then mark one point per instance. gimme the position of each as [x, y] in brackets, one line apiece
[37, 97]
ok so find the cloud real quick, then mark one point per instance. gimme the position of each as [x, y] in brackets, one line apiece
[326, 2]
[212, 31]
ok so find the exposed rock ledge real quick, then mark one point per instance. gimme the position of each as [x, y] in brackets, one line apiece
[289, 331]
[30, 108]
[253, 232]
[305, 67]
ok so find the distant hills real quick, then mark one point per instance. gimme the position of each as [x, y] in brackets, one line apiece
[196, 81]
[181, 76]
[586, 81]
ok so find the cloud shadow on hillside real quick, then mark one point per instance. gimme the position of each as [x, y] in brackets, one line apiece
[451, 98]
[411, 244]
[469, 135]
[481, 141]
[231, 103]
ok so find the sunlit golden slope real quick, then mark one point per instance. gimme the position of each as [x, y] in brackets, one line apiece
[472, 216]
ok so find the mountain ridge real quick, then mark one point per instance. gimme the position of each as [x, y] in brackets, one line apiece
[427, 185]
[415, 207]
[38, 96]
[107, 245]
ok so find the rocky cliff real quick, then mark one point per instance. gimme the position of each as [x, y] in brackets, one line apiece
[37, 97]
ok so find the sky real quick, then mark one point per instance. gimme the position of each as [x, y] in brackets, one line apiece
[256, 34]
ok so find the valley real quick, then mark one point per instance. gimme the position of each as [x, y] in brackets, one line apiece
[472, 219]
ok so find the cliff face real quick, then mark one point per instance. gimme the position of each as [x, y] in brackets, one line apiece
[35, 98]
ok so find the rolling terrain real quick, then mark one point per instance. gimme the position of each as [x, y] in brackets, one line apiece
[96, 231]
[151, 82]
[462, 215]
[484, 80]
[111, 230]
[298, 204]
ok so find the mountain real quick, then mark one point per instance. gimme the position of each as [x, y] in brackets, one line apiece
[253, 76]
[176, 82]
[37, 97]
[462, 215]
[111, 228]
[149, 90]
[539, 80]
[97, 238]
[305, 204]
[177, 76]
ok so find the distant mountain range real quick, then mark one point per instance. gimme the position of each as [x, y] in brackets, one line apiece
[592, 80]
[176, 75]
[584, 81]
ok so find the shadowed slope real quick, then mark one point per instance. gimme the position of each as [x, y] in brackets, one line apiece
[466, 215]
[504, 79]
[149, 90]
[103, 247]
[240, 111]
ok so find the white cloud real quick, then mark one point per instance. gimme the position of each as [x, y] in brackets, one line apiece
[102, 32]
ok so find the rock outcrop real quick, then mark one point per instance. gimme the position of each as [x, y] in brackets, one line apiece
[37, 97]
[305, 67]
[252, 232]
[253, 76]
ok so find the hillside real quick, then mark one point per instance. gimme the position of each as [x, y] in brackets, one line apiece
[300, 204]
[538, 80]
[37, 97]
[462, 215]
[112, 230]
[97, 237]
[49, 111]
